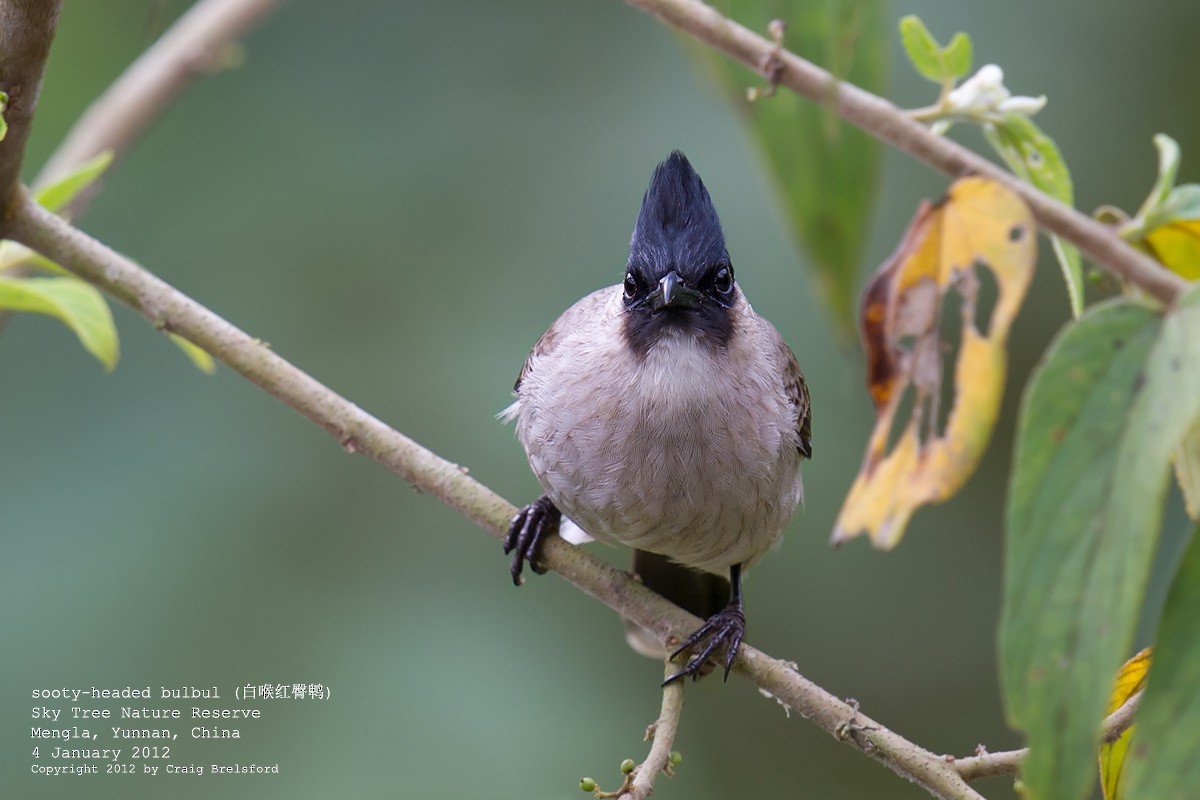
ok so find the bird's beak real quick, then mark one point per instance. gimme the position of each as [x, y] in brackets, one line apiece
[672, 292]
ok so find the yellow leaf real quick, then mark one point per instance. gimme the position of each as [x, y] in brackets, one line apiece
[979, 225]
[1177, 245]
[1130, 681]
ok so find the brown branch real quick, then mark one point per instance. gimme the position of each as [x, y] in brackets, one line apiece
[26, 31]
[887, 123]
[989, 765]
[357, 431]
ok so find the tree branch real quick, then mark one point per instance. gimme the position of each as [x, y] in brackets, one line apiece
[988, 765]
[887, 123]
[26, 31]
[191, 47]
[357, 431]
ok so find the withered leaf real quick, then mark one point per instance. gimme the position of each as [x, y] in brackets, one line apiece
[979, 225]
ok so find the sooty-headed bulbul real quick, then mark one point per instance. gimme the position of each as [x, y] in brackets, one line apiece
[664, 414]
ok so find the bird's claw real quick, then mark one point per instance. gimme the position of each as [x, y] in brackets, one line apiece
[727, 627]
[528, 529]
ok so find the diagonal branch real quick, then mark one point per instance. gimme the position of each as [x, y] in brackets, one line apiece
[191, 47]
[887, 123]
[357, 431]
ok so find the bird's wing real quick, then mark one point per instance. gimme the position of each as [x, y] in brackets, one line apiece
[590, 307]
[797, 392]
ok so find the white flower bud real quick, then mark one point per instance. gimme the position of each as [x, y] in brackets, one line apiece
[984, 96]
[1020, 104]
[980, 93]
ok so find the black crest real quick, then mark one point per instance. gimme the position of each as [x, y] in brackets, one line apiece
[677, 228]
[678, 231]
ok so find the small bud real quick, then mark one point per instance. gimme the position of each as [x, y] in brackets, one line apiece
[627, 766]
[587, 784]
[676, 758]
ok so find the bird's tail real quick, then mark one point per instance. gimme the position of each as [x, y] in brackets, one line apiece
[701, 593]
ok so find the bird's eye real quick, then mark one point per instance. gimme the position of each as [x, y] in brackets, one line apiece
[723, 280]
[631, 286]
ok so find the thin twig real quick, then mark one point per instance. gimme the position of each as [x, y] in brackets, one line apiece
[1119, 721]
[887, 123]
[357, 431]
[987, 765]
[661, 736]
[191, 47]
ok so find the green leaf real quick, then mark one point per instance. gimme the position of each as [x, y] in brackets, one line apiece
[3, 121]
[1168, 168]
[58, 194]
[1107, 406]
[76, 303]
[1182, 203]
[203, 361]
[1162, 762]
[957, 55]
[938, 64]
[1034, 157]
[1070, 261]
[923, 50]
[18, 255]
[826, 174]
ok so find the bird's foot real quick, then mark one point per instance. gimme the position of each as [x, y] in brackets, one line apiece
[727, 627]
[528, 529]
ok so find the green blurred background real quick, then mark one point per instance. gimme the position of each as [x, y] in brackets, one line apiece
[400, 197]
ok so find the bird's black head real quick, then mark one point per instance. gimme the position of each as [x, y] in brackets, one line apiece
[679, 274]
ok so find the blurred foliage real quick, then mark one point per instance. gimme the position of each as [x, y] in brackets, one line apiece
[825, 171]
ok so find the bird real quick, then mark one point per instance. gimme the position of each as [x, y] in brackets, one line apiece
[664, 414]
